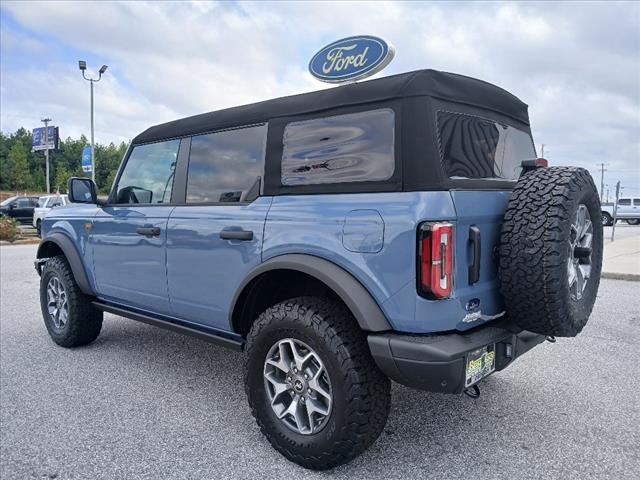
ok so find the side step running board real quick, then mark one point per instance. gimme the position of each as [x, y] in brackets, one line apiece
[169, 325]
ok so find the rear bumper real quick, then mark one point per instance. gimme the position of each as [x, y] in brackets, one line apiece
[437, 362]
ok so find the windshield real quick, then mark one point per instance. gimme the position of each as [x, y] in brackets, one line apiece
[479, 148]
[7, 201]
[42, 201]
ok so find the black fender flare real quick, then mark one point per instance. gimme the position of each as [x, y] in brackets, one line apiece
[70, 251]
[356, 297]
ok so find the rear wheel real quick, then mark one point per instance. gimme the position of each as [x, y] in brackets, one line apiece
[312, 385]
[551, 251]
[633, 221]
[69, 316]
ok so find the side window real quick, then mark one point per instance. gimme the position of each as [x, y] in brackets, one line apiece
[226, 166]
[636, 202]
[356, 147]
[148, 174]
[476, 147]
[55, 202]
[624, 201]
[23, 203]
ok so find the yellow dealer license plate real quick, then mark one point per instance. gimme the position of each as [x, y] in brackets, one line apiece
[480, 363]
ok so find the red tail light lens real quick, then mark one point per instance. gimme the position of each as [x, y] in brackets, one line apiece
[435, 259]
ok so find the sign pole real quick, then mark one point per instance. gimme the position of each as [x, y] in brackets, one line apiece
[46, 150]
[615, 210]
[93, 158]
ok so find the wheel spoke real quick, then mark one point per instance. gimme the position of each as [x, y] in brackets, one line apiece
[279, 387]
[314, 384]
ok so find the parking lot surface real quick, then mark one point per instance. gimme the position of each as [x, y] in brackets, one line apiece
[141, 402]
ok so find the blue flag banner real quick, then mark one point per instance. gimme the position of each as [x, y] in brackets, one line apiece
[86, 159]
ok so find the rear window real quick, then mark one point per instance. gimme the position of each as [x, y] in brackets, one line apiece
[356, 147]
[479, 148]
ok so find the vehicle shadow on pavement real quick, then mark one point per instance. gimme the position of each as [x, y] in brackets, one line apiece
[424, 430]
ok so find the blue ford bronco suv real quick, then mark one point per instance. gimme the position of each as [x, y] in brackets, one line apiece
[399, 228]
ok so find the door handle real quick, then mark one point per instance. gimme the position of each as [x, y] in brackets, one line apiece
[236, 235]
[474, 268]
[148, 231]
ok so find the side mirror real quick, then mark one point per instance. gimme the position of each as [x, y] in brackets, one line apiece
[13, 206]
[82, 190]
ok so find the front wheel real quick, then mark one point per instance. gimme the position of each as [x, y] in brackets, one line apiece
[69, 316]
[607, 220]
[39, 228]
[312, 385]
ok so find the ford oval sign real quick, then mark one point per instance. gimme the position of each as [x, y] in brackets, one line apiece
[350, 59]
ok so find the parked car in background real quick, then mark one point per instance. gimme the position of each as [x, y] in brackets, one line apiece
[628, 209]
[19, 207]
[45, 204]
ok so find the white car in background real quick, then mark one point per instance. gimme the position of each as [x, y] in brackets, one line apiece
[628, 210]
[45, 204]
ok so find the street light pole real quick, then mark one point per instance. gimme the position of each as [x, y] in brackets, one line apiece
[46, 150]
[83, 67]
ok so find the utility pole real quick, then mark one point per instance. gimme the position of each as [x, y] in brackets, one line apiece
[602, 170]
[46, 150]
[542, 152]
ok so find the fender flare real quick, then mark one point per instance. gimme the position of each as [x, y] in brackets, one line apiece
[70, 251]
[356, 297]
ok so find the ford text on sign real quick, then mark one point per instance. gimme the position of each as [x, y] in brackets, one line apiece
[351, 59]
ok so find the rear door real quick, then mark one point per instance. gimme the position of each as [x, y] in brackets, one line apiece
[129, 235]
[215, 237]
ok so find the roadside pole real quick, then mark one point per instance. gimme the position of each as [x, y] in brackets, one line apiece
[615, 210]
[46, 150]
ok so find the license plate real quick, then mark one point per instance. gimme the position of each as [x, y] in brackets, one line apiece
[480, 363]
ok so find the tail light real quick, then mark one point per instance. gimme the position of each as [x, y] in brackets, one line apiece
[435, 259]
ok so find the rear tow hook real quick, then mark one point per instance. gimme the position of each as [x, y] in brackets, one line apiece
[473, 391]
[551, 339]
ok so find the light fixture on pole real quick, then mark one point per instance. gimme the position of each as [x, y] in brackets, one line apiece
[82, 65]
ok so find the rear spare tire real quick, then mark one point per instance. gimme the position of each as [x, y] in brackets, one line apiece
[551, 251]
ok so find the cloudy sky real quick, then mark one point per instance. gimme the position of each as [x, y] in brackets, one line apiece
[577, 65]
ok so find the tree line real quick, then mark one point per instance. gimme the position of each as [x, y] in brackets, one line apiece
[24, 170]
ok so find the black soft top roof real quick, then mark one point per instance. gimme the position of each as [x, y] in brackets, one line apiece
[432, 83]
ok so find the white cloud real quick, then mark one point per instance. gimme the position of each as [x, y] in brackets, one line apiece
[576, 64]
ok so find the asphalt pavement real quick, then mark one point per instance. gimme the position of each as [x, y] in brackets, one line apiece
[141, 402]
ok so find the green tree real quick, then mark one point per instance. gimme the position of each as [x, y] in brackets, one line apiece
[62, 175]
[21, 174]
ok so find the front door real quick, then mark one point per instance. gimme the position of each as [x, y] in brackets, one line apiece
[215, 238]
[129, 235]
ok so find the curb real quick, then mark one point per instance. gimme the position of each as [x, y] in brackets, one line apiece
[29, 241]
[632, 277]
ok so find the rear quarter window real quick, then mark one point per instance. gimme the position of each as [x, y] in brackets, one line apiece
[480, 148]
[355, 147]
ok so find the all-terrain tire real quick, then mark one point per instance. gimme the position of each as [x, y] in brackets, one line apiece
[83, 322]
[536, 251]
[361, 393]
